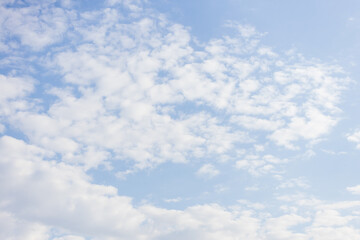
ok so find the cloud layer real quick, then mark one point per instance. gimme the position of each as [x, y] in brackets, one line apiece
[123, 89]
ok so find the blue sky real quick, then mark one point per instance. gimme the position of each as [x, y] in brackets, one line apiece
[152, 120]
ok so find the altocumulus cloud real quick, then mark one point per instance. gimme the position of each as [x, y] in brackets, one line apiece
[87, 89]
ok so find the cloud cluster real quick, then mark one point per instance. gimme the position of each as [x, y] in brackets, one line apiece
[31, 25]
[93, 88]
[144, 91]
[44, 199]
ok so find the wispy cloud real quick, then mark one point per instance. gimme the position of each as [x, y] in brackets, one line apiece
[354, 137]
[207, 171]
[354, 189]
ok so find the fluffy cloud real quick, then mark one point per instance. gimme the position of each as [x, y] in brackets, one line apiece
[139, 90]
[40, 198]
[277, 228]
[55, 193]
[13, 228]
[35, 26]
[131, 86]
[12, 93]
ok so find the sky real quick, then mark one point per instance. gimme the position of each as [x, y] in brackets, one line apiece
[154, 120]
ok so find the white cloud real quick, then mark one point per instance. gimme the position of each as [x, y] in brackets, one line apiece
[246, 31]
[207, 171]
[295, 182]
[138, 89]
[69, 238]
[330, 218]
[252, 188]
[251, 205]
[278, 228]
[12, 93]
[57, 198]
[354, 137]
[354, 189]
[55, 193]
[207, 222]
[133, 5]
[173, 200]
[326, 233]
[259, 165]
[13, 87]
[121, 79]
[36, 26]
[266, 51]
[259, 148]
[17, 229]
[257, 123]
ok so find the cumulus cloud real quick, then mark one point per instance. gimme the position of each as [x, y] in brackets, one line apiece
[277, 228]
[13, 228]
[126, 88]
[56, 193]
[131, 86]
[12, 93]
[35, 26]
[55, 197]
